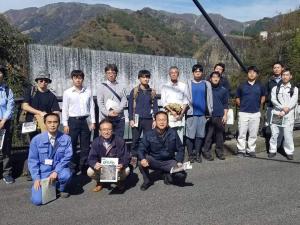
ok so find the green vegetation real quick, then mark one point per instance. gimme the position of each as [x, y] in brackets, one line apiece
[13, 55]
[137, 32]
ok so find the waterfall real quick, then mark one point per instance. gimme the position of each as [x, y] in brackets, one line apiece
[60, 61]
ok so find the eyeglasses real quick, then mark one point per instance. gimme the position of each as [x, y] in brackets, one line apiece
[43, 80]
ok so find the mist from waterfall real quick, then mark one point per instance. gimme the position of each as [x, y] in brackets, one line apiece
[60, 61]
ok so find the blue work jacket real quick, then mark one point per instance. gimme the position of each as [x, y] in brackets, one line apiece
[41, 149]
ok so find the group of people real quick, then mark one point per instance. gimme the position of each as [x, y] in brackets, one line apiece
[196, 109]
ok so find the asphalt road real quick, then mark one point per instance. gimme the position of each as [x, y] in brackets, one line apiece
[234, 191]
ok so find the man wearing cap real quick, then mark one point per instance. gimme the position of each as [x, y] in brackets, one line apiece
[38, 101]
[6, 112]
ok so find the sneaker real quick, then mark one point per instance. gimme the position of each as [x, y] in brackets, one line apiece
[240, 155]
[64, 194]
[290, 157]
[145, 186]
[271, 155]
[8, 179]
[251, 154]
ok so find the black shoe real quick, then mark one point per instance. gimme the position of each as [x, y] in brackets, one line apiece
[167, 179]
[8, 179]
[240, 155]
[271, 155]
[28, 177]
[290, 157]
[221, 157]
[208, 157]
[191, 159]
[199, 159]
[251, 154]
[145, 186]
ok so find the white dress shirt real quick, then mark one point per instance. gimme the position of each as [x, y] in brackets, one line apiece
[77, 103]
[51, 139]
[173, 93]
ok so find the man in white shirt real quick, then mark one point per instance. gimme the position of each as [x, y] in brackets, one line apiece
[78, 117]
[174, 100]
[284, 98]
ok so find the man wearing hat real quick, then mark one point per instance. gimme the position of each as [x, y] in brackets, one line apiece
[38, 101]
[6, 112]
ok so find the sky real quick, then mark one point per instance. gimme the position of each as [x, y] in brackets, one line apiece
[241, 10]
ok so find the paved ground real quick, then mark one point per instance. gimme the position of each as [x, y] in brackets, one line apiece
[234, 191]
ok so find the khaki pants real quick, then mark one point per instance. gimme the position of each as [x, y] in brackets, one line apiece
[95, 174]
[248, 122]
[278, 133]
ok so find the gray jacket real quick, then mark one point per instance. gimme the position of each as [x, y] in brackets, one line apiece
[209, 97]
[103, 94]
[285, 100]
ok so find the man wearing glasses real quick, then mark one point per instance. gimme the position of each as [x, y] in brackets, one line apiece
[38, 101]
[112, 99]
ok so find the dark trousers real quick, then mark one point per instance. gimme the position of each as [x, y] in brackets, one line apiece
[194, 146]
[163, 166]
[215, 129]
[5, 152]
[118, 126]
[144, 126]
[79, 128]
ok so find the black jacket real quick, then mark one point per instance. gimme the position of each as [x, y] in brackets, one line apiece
[269, 86]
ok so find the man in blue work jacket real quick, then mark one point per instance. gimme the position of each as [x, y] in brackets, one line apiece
[49, 156]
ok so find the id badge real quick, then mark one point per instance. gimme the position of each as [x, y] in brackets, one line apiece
[49, 162]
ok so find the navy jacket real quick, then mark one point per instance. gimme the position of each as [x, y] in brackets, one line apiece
[143, 104]
[220, 100]
[118, 150]
[269, 86]
[161, 148]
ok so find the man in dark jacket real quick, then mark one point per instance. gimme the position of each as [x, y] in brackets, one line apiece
[216, 123]
[108, 145]
[272, 82]
[142, 106]
[161, 149]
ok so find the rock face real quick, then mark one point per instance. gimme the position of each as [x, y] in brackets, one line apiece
[214, 51]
